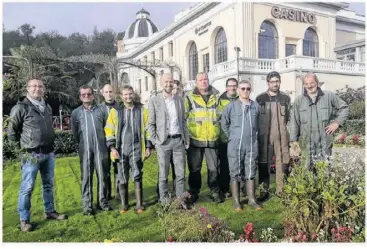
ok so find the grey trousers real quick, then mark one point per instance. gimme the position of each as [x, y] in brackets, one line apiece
[175, 147]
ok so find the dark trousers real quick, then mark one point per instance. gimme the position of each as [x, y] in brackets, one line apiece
[224, 177]
[264, 169]
[195, 156]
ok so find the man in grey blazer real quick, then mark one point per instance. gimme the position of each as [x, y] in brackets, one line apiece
[168, 132]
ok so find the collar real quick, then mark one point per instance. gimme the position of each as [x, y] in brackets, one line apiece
[111, 104]
[319, 92]
[168, 98]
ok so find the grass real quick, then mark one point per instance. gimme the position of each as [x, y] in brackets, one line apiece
[129, 227]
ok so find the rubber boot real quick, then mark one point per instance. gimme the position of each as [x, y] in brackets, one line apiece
[117, 192]
[250, 187]
[264, 178]
[235, 187]
[139, 197]
[124, 196]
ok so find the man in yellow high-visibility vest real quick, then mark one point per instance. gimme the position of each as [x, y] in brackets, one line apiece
[203, 126]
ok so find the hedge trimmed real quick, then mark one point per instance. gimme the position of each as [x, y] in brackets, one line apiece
[64, 144]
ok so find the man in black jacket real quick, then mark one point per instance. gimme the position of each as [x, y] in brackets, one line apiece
[31, 125]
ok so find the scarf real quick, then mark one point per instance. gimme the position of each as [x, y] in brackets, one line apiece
[39, 104]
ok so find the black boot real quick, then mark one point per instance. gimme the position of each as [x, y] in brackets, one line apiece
[117, 186]
[235, 187]
[124, 196]
[250, 187]
[264, 179]
[139, 197]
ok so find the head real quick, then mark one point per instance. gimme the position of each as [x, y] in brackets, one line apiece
[244, 89]
[36, 89]
[167, 83]
[86, 94]
[108, 93]
[202, 81]
[310, 83]
[127, 94]
[177, 88]
[273, 79]
[231, 86]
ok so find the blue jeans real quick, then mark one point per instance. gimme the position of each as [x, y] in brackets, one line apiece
[46, 165]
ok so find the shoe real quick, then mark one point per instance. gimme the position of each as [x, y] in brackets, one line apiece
[193, 198]
[250, 188]
[89, 213]
[25, 226]
[216, 197]
[235, 187]
[263, 196]
[55, 216]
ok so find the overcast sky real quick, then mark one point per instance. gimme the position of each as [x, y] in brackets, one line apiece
[68, 18]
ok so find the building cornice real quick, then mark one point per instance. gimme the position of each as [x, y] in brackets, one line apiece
[354, 44]
[199, 10]
[350, 20]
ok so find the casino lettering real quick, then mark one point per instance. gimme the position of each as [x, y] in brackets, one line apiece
[293, 15]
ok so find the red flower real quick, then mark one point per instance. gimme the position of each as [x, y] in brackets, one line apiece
[170, 238]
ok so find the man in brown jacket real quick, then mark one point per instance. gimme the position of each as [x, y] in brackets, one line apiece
[273, 136]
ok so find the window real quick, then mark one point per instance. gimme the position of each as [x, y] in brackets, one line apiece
[220, 47]
[268, 41]
[153, 57]
[311, 43]
[145, 60]
[362, 54]
[170, 47]
[193, 61]
[146, 83]
[290, 49]
[161, 53]
[139, 86]
[346, 54]
[206, 62]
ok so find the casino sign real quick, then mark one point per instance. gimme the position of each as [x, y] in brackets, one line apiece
[293, 15]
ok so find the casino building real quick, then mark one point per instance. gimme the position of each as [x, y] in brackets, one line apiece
[246, 40]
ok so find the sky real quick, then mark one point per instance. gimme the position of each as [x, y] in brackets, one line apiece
[68, 18]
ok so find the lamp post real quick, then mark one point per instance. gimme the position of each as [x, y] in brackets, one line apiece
[238, 50]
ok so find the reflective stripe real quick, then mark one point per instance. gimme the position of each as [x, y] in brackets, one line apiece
[203, 119]
[191, 101]
[110, 126]
[108, 138]
[99, 161]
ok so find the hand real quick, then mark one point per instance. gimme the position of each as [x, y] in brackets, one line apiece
[148, 152]
[331, 128]
[115, 153]
[187, 145]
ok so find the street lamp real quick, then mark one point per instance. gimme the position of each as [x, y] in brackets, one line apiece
[238, 50]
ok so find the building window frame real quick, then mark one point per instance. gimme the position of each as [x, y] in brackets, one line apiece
[170, 48]
[310, 43]
[206, 63]
[220, 47]
[268, 43]
[193, 61]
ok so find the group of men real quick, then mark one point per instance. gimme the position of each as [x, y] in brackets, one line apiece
[237, 135]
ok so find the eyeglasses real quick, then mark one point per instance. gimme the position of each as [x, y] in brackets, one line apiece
[274, 81]
[245, 89]
[233, 86]
[86, 94]
[36, 86]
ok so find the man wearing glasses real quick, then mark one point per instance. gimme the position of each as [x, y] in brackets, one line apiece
[240, 123]
[273, 135]
[31, 125]
[227, 97]
[88, 128]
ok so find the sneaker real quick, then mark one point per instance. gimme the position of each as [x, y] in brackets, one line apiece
[25, 226]
[55, 216]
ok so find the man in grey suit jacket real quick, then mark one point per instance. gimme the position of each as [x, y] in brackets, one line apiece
[168, 132]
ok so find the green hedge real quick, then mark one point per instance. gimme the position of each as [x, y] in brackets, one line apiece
[356, 126]
[64, 144]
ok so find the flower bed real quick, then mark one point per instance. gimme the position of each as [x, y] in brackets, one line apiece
[354, 139]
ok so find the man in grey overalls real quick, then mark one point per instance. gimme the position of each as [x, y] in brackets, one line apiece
[239, 122]
[87, 124]
[316, 115]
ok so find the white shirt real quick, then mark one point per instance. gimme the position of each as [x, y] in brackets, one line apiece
[173, 127]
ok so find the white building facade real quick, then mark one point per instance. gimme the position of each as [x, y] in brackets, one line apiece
[247, 40]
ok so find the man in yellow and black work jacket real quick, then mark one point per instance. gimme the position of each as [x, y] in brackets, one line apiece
[203, 126]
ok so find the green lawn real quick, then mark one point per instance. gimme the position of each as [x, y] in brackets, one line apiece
[129, 227]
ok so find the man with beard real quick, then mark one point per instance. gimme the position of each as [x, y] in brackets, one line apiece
[227, 97]
[273, 135]
[168, 132]
[87, 124]
[109, 103]
[126, 135]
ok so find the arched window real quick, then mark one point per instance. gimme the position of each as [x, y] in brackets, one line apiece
[193, 61]
[268, 41]
[220, 46]
[311, 43]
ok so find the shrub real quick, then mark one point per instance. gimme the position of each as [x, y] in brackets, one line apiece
[193, 225]
[340, 139]
[353, 127]
[64, 145]
[331, 195]
[357, 110]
